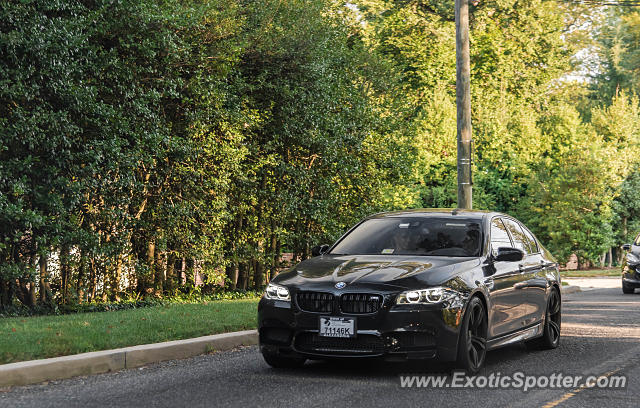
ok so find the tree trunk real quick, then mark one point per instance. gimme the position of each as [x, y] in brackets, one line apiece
[242, 273]
[273, 251]
[45, 289]
[277, 256]
[232, 273]
[619, 256]
[610, 257]
[183, 271]
[115, 279]
[64, 272]
[33, 298]
[158, 277]
[32, 292]
[151, 259]
[171, 267]
[93, 280]
[258, 274]
[80, 279]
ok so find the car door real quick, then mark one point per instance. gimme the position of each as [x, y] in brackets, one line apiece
[537, 283]
[507, 308]
[530, 269]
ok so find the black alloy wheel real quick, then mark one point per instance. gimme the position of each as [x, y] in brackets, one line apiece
[472, 347]
[552, 321]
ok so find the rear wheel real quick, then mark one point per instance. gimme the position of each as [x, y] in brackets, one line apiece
[279, 361]
[627, 289]
[551, 335]
[472, 345]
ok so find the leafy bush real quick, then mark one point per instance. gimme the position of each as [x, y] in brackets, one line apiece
[23, 311]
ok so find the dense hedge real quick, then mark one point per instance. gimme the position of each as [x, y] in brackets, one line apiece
[19, 310]
[146, 140]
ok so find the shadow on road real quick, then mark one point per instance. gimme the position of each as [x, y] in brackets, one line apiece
[375, 368]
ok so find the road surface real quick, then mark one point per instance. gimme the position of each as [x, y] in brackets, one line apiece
[600, 335]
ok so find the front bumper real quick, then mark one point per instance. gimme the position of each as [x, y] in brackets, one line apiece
[393, 332]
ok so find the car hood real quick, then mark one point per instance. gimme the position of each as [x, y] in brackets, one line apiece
[402, 272]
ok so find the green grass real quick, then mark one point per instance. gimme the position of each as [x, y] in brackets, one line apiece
[28, 338]
[591, 273]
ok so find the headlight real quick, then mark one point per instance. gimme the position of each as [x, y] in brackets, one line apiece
[632, 259]
[277, 292]
[428, 296]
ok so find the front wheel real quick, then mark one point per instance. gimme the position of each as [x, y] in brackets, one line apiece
[627, 289]
[472, 345]
[279, 361]
[551, 335]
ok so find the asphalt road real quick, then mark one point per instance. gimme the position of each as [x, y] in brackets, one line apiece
[600, 334]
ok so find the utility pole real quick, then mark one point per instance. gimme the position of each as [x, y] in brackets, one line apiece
[463, 101]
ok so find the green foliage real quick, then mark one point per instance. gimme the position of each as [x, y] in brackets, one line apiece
[192, 298]
[145, 142]
[147, 145]
[626, 208]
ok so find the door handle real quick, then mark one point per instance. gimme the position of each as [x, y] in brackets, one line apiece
[521, 268]
[488, 282]
[520, 285]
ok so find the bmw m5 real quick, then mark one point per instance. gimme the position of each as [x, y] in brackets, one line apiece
[417, 284]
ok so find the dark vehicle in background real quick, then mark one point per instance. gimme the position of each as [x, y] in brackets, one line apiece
[419, 284]
[631, 267]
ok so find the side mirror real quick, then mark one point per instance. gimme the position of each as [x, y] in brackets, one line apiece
[319, 250]
[508, 254]
[626, 247]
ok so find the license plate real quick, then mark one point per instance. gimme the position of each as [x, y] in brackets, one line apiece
[337, 327]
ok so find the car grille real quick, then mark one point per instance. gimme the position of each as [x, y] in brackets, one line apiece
[363, 344]
[315, 302]
[360, 303]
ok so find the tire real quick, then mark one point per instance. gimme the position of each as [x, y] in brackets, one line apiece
[472, 344]
[279, 361]
[550, 338]
[627, 289]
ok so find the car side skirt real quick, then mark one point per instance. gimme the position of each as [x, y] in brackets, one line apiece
[525, 334]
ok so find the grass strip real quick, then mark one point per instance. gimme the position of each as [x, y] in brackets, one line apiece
[594, 273]
[29, 338]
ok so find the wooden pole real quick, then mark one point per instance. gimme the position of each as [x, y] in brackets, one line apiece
[463, 100]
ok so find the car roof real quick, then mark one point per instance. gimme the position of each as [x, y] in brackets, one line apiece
[436, 212]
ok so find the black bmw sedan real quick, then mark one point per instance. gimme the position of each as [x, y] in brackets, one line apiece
[418, 284]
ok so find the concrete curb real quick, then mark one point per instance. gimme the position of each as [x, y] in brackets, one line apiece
[58, 368]
[570, 289]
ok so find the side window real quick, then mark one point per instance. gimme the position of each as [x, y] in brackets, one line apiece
[499, 235]
[530, 241]
[637, 243]
[519, 240]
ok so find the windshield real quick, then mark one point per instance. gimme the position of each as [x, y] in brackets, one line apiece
[413, 236]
